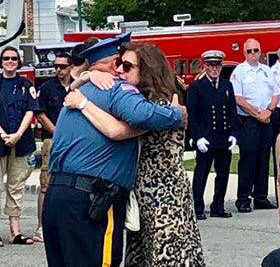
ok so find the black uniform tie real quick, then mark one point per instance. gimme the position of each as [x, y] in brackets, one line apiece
[214, 82]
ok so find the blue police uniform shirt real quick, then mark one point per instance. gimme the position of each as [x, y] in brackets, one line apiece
[51, 97]
[79, 148]
[255, 83]
[17, 96]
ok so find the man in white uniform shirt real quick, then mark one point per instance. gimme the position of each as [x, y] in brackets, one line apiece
[257, 95]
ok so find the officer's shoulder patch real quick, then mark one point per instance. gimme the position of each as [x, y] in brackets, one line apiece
[32, 91]
[128, 87]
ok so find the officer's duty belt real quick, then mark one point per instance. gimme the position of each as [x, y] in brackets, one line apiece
[83, 183]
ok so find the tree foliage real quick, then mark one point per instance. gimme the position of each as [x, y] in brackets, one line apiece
[160, 12]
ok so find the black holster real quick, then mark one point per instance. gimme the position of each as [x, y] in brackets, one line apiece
[102, 196]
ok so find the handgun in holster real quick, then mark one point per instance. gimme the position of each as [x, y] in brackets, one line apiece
[102, 196]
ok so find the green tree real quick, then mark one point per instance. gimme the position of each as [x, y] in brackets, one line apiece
[3, 22]
[160, 12]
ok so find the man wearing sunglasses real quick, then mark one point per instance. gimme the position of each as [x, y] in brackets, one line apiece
[50, 96]
[213, 125]
[256, 93]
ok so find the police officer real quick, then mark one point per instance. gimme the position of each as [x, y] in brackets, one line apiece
[50, 96]
[256, 93]
[275, 116]
[84, 208]
[213, 125]
[17, 103]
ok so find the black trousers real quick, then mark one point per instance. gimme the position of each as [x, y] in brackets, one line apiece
[253, 167]
[222, 159]
[275, 121]
[72, 239]
[272, 259]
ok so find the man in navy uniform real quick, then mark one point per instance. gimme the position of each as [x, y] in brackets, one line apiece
[50, 97]
[84, 163]
[213, 125]
[257, 95]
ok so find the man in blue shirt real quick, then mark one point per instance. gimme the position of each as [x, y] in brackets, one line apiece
[85, 163]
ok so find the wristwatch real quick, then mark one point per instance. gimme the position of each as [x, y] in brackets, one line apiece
[82, 104]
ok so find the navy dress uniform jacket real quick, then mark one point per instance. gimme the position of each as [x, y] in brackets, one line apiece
[212, 112]
[14, 107]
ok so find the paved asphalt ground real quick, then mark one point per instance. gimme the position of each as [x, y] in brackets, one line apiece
[241, 241]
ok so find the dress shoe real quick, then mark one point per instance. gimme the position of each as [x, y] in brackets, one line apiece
[220, 214]
[244, 208]
[265, 204]
[201, 216]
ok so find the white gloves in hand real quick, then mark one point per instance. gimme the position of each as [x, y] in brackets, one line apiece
[233, 142]
[201, 144]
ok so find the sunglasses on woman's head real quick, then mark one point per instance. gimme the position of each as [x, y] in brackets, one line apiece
[126, 64]
[12, 58]
[250, 51]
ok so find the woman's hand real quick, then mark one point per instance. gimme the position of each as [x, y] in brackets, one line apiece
[73, 99]
[183, 109]
[103, 80]
[12, 139]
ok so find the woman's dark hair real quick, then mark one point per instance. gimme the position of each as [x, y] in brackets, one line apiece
[77, 59]
[10, 48]
[157, 80]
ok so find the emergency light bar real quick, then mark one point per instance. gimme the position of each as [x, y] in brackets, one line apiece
[134, 26]
[115, 20]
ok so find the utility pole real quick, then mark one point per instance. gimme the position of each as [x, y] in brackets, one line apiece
[79, 9]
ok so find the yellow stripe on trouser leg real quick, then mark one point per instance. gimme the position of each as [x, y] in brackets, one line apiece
[108, 240]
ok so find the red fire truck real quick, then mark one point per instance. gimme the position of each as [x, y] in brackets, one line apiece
[183, 45]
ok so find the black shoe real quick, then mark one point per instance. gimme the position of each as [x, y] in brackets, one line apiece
[244, 208]
[201, 216]
[265, 204]
[220, 214]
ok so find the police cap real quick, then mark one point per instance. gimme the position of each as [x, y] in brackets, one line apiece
[213, 56]
[105, 48]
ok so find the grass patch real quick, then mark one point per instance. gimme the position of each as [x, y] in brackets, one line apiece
[190, 164]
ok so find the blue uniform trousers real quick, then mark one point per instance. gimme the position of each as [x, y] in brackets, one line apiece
[253, 167]
[72, 239]
[272, 259]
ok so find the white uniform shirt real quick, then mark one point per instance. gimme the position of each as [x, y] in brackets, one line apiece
[256, 84]
[276, 73]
